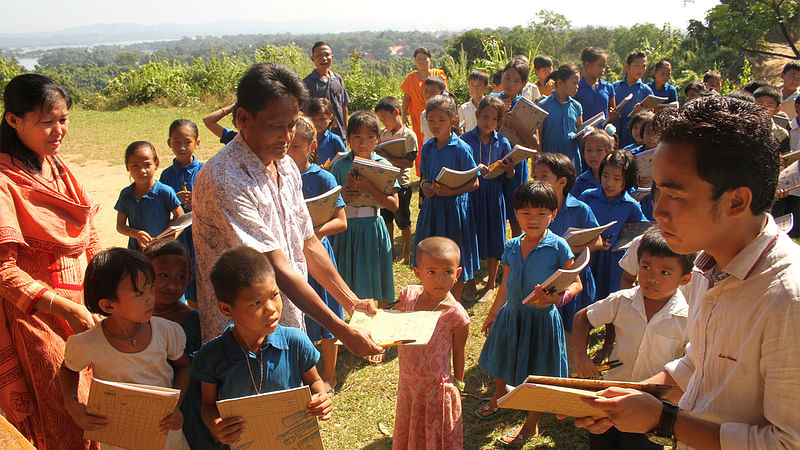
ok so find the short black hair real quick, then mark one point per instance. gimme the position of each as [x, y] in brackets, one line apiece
[591, 54]
[521, 66]
[742, 95]
[563, 73]
[107, 269]
[423, 50]
[643, 117]
[178, 123]
[542, 61]
[634, 55]
[733, 145]
[136, 145]
[694, 85]
[561, 166]
[265, 82]
[535, 194]
[436, 80]
[319, 44]
[627, 162]
[366, 119]
[751, 86]
[318, 105]
[661, 64]
[791, 65]
[711, 74]
[164, 247]
[238, 268]
[388, 104]
[497, 77]
[493, 101]
[480, 75]
[654, 244]
[769, 91]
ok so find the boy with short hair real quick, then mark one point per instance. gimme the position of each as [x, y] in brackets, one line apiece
[693, 90]
[497, 81]
[769, 98]
[635, 68]
[542, 67]
[388, 111]
[650, 325]
[234, 363]
[433, 86]
[324, 82]
[478, 86]
[790, 90]
[712, 79]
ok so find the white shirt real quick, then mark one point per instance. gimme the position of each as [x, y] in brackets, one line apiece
[787, 104]
[466, 116]
[794, 135]
[741, 367]
[238, 201]
[642, 347]
[426, 132]
[531, 92]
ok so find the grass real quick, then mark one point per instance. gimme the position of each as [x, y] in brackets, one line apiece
[366, 394]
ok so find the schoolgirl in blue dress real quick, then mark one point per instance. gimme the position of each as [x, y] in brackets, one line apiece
[566, 115]
[523, 339]
[488, 202]
[364, 251]
[320, 111]
[635, 68]
[594, 148]
[317, 181]
[662, 72]
[612, 202]
[446, 211]
[595, 94]
[557, 170]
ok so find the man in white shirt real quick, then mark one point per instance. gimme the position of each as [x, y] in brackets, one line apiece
[738, 385]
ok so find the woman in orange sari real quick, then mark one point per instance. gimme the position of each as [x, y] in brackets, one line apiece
[413, 101]
[46, 237]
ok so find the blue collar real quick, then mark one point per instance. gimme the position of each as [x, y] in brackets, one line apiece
[570, 201]
[150, 194]
[276, 340]
[313, 168]
[191, 166]
[599, 194]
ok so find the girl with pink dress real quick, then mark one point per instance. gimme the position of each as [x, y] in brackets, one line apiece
[428, 413]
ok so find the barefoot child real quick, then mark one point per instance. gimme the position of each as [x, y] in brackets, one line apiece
[364, 251]
[524, 340]
[144, 207]
[234, 364]
[183, 141]
[446, 211]
[428, 399]
[317, 181]
[487, 202]
[129, 345]
[650, 325]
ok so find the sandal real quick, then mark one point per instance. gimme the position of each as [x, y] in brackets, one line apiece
[514, 438]
[376, 359]
[486, 411]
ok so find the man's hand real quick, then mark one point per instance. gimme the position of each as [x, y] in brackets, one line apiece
[359, 342]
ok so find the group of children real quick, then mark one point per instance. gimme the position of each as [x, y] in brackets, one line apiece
[577, 183]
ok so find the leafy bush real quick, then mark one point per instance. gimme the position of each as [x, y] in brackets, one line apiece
[366, 89]
[8, 70]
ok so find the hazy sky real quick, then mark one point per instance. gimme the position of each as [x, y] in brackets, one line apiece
[343, 15]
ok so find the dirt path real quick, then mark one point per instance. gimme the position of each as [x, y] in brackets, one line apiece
[103, 182]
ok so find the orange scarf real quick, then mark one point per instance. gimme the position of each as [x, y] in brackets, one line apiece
[38, 216]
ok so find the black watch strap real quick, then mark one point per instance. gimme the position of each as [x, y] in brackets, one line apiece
[665, 431]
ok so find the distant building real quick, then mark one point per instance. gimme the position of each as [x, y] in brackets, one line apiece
[397, 50]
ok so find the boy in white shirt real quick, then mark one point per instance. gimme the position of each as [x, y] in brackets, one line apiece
[478, 86]
[432, 86]
[650, 324]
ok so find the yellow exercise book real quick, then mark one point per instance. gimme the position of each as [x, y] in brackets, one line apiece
[11, 438]
[565, 395]
[275, 420]
[383, 176]
[321, 207]
[390, 327]
[133, 412]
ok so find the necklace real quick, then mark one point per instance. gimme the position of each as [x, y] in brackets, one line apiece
[414, 307]
[250, 371]
[125, 338]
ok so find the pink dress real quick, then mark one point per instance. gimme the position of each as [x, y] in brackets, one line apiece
[428, 411]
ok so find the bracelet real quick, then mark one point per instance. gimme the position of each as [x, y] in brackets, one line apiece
[459, 384]
[565, 298]
[50, 308]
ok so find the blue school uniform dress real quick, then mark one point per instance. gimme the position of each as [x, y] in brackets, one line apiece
[584, 182]
[317, 181]
[640, 92]
[525, 340]
[521, 172]
[328, 146]
[559, 128]
[668, 90]
[363, 252]
[287, 353]
[605, 263]
[646, 203]
[575, 213]
[451, 216]
[179, 178]
[196, 433]
[227, 135]
[594, 99]
[487, 202]
[151, 213]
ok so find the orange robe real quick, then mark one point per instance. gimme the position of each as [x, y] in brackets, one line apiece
[46, 237]
[412, 86]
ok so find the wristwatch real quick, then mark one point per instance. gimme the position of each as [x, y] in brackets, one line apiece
[664, 433]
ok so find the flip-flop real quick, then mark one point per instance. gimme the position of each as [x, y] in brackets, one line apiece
[486, 412]
[514, 439]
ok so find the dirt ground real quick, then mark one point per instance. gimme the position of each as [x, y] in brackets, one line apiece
[103, 182]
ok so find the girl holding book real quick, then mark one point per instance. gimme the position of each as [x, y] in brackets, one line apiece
[317, 181]
[566, 115]
[557, 170]
[594, 148]
[446, 211]
[612, 202]
[487, 148]
[320, 110]
[521, 339]
[364, 251]
[595, 94]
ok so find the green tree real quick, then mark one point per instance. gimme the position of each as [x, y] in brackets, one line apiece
[745, 24]
[9, 68]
